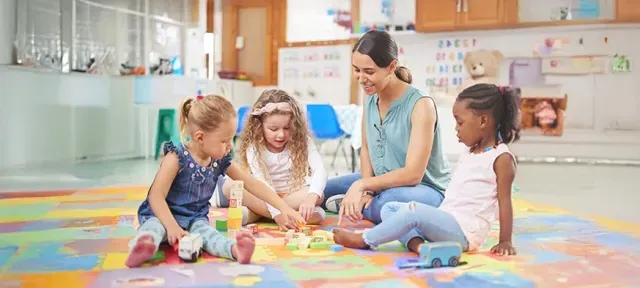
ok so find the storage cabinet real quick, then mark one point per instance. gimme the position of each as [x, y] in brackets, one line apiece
[628, 10]
[433, 15]
[482, 13]
[449, 15]
[444, 15]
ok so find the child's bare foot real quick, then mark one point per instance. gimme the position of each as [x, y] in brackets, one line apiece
[243, 249]
[349, 239]
[143, 250]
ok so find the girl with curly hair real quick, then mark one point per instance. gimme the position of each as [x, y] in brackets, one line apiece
[278, 149]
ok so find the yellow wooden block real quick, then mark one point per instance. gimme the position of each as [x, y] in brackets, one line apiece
[234, 223]
[235, 213]
[319, 233]
[114, 261]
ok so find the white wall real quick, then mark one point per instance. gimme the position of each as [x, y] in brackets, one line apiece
[310, 20]
[603, 114]
[7, 30]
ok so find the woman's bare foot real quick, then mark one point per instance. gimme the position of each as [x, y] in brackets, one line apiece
[349, 239]
[143, 250]
[243, 249]
[317, 216]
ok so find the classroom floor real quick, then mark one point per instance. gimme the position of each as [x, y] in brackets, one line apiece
[59, 225]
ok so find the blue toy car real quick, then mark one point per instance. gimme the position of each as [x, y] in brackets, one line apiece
[436, 255]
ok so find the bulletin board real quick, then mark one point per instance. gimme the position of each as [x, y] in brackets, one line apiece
[446, 68]
[587, 62]
[438, 63]
[316, 74]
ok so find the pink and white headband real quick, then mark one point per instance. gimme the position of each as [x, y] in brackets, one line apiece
[270, 107]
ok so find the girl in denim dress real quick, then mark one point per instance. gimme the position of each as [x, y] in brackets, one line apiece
[178, 201]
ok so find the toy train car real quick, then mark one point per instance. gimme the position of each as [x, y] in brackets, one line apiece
[190, 247]
[436, 255]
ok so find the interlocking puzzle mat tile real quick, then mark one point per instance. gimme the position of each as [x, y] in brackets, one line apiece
[79, 238]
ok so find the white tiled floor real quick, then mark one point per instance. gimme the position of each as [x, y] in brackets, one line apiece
[610, 191]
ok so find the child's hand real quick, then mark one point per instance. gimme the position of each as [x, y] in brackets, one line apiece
[293, 216]
[308, 206]
[175, 234]
[283, 223]
[504, 248]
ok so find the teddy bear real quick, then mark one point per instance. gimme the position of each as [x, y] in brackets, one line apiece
[483, 66]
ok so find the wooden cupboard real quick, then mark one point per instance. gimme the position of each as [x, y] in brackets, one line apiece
[628, 10]
[448, 15]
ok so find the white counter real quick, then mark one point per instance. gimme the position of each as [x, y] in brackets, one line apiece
[50, 116]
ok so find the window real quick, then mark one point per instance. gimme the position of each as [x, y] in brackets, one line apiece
[73, 35]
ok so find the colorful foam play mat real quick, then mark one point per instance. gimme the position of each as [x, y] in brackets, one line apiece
[79, 238]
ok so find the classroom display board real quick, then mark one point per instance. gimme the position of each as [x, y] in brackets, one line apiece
[579, 69]
[318, 74]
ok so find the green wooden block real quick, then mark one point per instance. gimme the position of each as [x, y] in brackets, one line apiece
[320, 245]
[292, 245]
[221, 225]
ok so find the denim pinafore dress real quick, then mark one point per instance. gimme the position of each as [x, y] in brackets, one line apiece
[191, 190]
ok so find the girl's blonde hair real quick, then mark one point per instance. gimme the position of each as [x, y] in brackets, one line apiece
[253, 136]
[205, 113]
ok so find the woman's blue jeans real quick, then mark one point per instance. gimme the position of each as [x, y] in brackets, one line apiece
[419, 193]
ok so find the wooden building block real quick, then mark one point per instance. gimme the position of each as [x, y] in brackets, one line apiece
[221, 225]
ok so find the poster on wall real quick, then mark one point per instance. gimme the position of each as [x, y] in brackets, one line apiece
[317, 74]
[577, 65]
[445, 68]
[621, 63]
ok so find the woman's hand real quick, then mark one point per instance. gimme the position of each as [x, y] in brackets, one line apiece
[308, 206]
[504, 248]
[352, 205]
[283, 223]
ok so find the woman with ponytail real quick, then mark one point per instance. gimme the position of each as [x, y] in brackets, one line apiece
[401, 158]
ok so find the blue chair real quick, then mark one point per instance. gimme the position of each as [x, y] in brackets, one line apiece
[325, 126]
[242, 114]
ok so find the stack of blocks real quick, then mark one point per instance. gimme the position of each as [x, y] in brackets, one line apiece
[234, 217]
[320, 239]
